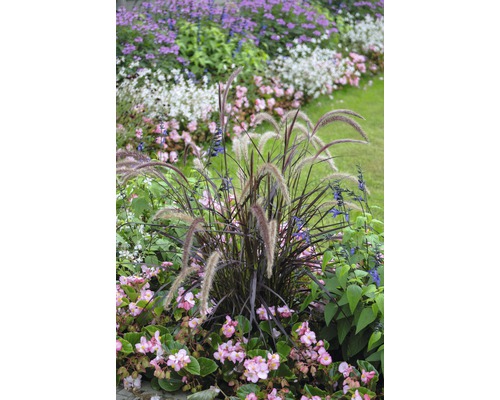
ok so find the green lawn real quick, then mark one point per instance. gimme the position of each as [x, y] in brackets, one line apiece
[369, 103]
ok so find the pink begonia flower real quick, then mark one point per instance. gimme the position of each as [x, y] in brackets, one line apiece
[228, 351]
[118, 345]
[342, 80]
[350, 383]
[193, 323]
[174, 124]
[279, 92]
[192, 126]
[273, 395]
[255, 369]
[366, 377]
[155, 344]
[130, 383]
[229, 326]
[146, 295]
[238, 103]
[271, 102]
[345, 369]
[279, 111]
[356, 396]
[120, 127]
[295, 104]
[186, 136]
[260, 104]
[212, 127]
[273, 362]
[366, 397]
[163, 156]
[120, 295]
[262, 312]
[361, 67]
[134, 309]
[179, 360]
[144, 346]
[285, 312]
[174, 157]
[325, 359]
[251, 396]
[174, 135]
[166, 264]
[311, 398]
[186, 301]
[257, 80]
[303, 328]
[354, 81]
[138, 133]
[298, 95]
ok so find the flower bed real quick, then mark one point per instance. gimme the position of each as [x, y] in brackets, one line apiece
[258, 286]
[287, 62]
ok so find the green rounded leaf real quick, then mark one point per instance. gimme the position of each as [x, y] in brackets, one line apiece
[170, 385]
[207, 366]
[193, 367]
[283, 349]
[127, 348]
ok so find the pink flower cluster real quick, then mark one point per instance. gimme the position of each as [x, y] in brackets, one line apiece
[284, 312]
[229, 327]
[227, 351]
[258, 368]
[150, 346]
[351, 382]
[179, 360]
[185, 300]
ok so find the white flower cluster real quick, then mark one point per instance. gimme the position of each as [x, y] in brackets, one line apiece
[312, 72]
[367, 35]
[183, 99]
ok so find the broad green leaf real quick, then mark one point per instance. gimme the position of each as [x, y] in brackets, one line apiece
[314, 391]
[332, 285]
[193, 367]
[151, 329]
[379, 299]
[208, 394]
[284, 372]
[215, 340]
[353, 296]
[170, 385]
[257, 352]
[326, 259]
[360, 273]
[343, 327]
[138, 205]
[366, 318]
[356, 344]
[368, 289]
[243, 324]
[130, 291]
[342, 275]
[133, 337]
[127, 348]
[207, 366]
[330, 310]
[253, 343]
[374, 338]
[265, 326]
[245, 390]
[283, 349]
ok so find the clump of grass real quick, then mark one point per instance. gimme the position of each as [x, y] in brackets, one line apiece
[260, 237]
